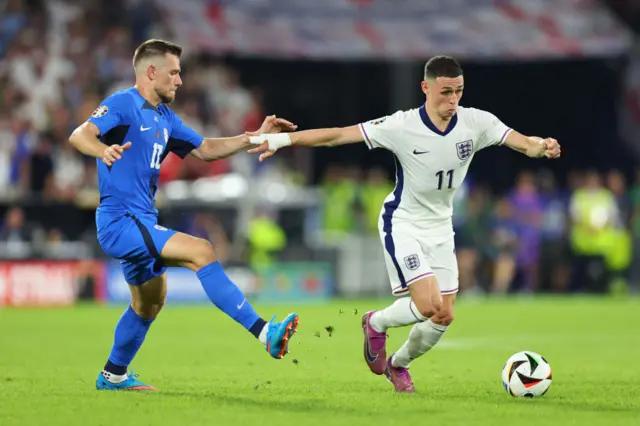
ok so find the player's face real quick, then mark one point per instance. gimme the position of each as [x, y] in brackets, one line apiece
[444, 94]
[168, 78]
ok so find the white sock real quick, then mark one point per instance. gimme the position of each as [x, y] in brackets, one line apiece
[114, 378]
[402, 312]
[263, 334]
[422, 338]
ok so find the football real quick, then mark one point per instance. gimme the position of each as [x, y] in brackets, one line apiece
[526, 374]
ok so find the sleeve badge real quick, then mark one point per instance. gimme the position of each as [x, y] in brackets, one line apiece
[101, 111]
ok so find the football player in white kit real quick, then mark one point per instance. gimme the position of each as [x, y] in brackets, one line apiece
[433, 147]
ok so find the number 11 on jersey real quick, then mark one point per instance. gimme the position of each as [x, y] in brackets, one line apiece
[157, 154]
[440, 176]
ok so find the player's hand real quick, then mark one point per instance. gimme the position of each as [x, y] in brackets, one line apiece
[263, 150]
[268, 143]
[551, 148]
[272, 124]
[114, 153]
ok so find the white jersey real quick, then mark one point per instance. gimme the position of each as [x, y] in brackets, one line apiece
[430, 164]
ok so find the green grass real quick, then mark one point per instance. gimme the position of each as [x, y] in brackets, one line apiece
[210, 372]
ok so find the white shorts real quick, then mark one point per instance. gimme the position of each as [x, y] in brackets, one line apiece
[410, 256]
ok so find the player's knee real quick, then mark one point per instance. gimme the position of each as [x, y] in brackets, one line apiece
[425, 307]
[445, 319]
[156, 308]
[428, 311]
[202, 254]
[437, 304]
[147, 309]
[448, 320]
[431, 308]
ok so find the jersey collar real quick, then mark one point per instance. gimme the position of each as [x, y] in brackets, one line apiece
[145, 103]
[427, 122]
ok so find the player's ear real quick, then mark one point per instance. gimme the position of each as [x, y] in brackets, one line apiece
[425, 86]
[151, 72]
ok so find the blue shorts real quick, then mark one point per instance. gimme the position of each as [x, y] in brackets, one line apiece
[137, 240]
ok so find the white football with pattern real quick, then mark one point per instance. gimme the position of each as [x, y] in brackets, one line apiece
[526, 374]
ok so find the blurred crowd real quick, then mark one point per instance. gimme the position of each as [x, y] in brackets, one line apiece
[539, 236]
[60, 58]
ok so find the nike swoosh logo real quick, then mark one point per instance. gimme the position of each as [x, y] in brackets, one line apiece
[370, 357]
[143, 129]
[242, 304]
[416, 152]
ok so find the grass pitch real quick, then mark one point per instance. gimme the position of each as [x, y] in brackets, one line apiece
[209, 371]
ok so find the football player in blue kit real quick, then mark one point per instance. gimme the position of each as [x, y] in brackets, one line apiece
[130, 134]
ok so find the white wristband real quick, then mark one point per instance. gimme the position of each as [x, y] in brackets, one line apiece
[275, 140]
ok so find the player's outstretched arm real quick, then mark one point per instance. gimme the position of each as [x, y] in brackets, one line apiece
[533, 146]
[213, 149]
[85, 139]
[270, 143]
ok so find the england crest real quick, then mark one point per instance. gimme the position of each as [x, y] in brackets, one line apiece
[465, 149]
[412, 262]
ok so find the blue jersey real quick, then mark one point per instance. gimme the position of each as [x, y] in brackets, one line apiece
[130, 184]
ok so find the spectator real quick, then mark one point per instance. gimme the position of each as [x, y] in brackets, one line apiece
[635, 231]
[473, 215]
[593, 214]
[339, 194]
[555, 257]
[68, 172]
[504, 246]
[527, 212]
[617, 185]
[38, 175]
[14, 229]
[373, 192]
[266, 239]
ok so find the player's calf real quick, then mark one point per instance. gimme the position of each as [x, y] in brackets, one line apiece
[146, 302]
[197, 254]
[424, 336]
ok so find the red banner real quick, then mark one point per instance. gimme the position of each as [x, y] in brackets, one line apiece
[48, 283]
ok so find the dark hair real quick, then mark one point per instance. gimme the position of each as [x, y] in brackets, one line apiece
[155, 47]
[442, 66]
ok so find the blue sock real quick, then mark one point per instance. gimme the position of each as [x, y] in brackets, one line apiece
[130, 333]
[228, 298]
